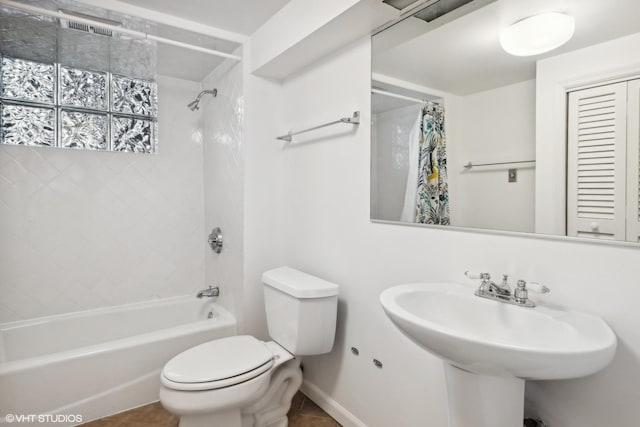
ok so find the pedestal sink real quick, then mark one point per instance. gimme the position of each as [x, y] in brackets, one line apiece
[490, 348]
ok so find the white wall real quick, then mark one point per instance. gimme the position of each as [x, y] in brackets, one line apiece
[83, 229]
[284, 30]
[223, 151]
[263, 169]
[503, 132]
[318, 221]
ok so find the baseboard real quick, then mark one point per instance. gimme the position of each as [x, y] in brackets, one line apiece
[330, 406]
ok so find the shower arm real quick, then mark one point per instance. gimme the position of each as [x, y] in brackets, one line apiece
[195, 104]
[213, 92]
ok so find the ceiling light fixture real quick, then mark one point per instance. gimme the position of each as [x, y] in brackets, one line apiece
[537, 34]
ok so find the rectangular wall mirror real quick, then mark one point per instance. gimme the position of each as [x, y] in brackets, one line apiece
[466, 134]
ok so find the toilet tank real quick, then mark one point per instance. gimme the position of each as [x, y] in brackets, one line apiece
[301, 310]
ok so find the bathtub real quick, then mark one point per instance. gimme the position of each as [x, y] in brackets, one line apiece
[99, 362]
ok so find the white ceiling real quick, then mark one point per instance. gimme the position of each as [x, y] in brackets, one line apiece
[240, 16]
[464, 56]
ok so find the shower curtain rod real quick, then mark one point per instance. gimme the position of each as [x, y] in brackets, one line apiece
[395, 95]
[115, 28]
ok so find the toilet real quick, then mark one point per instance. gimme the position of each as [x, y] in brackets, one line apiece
[241, 381]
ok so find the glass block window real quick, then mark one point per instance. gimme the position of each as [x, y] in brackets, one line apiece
[133, 96]
[84, 89]
[27, 81]
[59, 106]
[83, 130]
[131, 134]
[26, 125]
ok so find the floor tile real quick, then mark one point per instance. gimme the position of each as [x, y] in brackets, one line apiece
[303, 413]
[311, 409]
[309, 421]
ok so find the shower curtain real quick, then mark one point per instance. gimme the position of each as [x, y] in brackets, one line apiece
[427, 187]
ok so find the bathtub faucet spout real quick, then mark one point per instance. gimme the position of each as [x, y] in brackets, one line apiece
[210, 292]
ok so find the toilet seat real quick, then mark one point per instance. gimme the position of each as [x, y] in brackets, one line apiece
[216, 364]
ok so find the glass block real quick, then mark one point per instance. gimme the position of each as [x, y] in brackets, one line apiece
[133, 135]
[24, 35]
[80, 88]
[83, 130]
[85, 51]
[133, 96]
[23, 125]
[145, 52]
[27, 80]
[154, 137]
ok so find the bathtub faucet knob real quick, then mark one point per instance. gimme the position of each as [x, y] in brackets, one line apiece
[210, 292]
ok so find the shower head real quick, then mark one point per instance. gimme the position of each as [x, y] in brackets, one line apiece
[195, 104]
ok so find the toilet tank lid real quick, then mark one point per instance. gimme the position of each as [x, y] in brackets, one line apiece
[298, 284]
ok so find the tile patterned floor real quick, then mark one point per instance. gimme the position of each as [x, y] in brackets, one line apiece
[303, 413]
[144, 416]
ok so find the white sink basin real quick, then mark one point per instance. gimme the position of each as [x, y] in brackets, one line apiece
[485, 336]
[490, 348]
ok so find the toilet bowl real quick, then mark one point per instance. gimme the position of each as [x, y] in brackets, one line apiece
[210, 384]
[241, 381]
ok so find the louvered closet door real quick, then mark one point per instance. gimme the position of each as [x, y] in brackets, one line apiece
[633, 161]
[596, 162]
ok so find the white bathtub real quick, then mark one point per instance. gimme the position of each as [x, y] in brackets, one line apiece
[100, 362]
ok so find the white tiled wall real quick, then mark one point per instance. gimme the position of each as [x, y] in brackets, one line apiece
[223, 180]
[83, 229]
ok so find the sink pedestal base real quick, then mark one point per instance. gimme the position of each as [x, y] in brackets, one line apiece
[483, 400]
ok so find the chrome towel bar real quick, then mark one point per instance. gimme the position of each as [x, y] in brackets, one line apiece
[474, 165]
[353, 120]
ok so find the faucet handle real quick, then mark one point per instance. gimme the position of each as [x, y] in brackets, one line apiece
[521, 294]
[473, 275]
[538, 288]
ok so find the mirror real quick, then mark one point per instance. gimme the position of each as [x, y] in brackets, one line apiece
[465, 134]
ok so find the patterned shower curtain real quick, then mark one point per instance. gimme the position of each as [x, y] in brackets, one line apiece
[432, 201]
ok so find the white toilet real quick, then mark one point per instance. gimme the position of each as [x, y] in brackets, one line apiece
[244, 382]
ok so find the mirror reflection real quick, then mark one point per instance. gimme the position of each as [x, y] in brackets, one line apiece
[510, 115]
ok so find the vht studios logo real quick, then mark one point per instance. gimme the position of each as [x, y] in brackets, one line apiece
[43, 418]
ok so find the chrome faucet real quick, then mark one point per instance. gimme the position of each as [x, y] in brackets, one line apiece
[488, 286]
[502, 292]
[210, 292]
